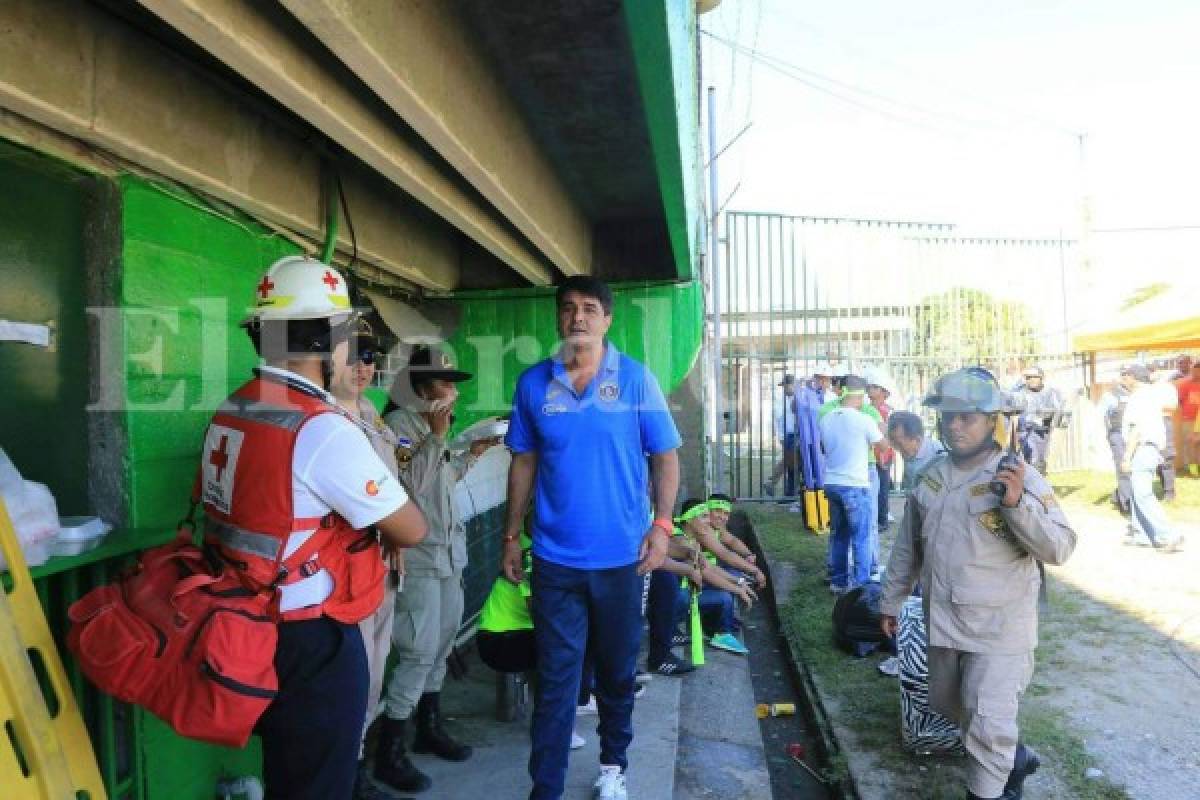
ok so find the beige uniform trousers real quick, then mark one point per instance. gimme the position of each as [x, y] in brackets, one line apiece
[980, 691]
[377, 639]
[428, 613]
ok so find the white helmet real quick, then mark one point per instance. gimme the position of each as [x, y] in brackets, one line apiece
[299, 287]
[874, 376]
[821, 368]
[839, 371]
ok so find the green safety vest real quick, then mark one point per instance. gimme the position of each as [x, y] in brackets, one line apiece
[507, 608]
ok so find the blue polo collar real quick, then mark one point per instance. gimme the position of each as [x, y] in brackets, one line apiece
[608, 365]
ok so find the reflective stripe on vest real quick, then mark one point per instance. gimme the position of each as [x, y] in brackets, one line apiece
[263, 545]
[259, 544]
[265, 413]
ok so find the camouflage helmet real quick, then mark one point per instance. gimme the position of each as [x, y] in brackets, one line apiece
[965, 390]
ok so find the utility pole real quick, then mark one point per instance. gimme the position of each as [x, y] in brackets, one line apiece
[1085, 224]
[714, 260]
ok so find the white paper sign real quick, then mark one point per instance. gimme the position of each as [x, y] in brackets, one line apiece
[26, 332]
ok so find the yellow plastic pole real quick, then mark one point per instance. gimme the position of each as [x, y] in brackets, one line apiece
[57, 752]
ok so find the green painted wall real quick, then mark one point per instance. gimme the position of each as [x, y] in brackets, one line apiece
[501, 333]
[42, 259]
[187, 276]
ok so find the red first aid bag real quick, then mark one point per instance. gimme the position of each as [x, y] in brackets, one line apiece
[193, 646]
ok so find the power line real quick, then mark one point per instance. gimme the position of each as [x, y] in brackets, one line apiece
[770, 60]
[1148, 229]
[792, 72]
[986, 102]
[806, 76]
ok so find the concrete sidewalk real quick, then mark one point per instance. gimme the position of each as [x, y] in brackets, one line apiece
[720, 742]
[498, 769]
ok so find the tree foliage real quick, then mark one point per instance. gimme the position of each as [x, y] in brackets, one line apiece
[970, 326]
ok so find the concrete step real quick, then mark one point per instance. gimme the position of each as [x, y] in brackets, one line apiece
[498, 768]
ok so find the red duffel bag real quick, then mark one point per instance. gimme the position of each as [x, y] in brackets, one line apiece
[193, 646]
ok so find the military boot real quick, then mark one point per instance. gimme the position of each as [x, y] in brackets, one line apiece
[1025, 763]
[392, 766]
[431, 738]
[365, 787]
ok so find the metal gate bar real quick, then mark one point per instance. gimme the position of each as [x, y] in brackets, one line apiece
[911, 298]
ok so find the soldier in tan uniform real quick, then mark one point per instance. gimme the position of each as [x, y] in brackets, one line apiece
[348, 384]
[429, 609]
[976, 557]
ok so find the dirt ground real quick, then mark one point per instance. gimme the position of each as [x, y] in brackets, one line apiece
[1120, 656]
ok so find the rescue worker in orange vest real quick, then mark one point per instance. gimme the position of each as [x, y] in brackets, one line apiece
[294, 497]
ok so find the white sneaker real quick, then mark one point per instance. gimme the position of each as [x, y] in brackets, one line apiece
[610, 785]
[588, 709]
[577, 741]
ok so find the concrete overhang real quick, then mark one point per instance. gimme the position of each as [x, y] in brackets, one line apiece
[260, 43]
[608, 90]
[421, 60]
[547, 138]
[74, 70]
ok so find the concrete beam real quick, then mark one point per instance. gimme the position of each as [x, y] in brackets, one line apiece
[247, 38]
[422, 61]
[78, 71]
[664, 38]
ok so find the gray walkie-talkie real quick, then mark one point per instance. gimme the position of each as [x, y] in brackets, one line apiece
[1010, 460]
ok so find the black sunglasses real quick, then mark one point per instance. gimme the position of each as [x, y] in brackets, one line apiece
[367, 357]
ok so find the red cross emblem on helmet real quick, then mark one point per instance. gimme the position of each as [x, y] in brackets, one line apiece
[299, 287]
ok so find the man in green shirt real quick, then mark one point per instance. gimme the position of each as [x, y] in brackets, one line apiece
[505, 638]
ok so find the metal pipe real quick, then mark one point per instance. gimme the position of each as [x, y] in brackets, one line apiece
[331, 215]
[715, 255]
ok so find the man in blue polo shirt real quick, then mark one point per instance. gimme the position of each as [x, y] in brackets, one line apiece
[590, 431]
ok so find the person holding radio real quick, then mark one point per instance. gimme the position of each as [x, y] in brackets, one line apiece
[975, 527]
[430, 607]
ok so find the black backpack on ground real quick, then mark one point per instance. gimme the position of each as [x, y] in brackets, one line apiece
[856, 618]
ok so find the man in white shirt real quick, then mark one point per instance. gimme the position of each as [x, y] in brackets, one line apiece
[1145, 438]
[786, 428]
[1168, 399]
[846, 435]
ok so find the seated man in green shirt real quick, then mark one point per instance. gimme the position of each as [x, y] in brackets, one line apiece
[505, 638]
[719, 587]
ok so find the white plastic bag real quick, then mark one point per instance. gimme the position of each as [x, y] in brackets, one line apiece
[33, 512]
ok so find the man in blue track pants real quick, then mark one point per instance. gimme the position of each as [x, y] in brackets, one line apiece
[590, 431]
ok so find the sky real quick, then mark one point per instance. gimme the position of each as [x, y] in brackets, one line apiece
[968, 112]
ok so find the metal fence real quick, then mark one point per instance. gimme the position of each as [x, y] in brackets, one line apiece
[909, 298]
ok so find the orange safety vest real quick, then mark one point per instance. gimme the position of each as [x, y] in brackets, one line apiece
[245, 484]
